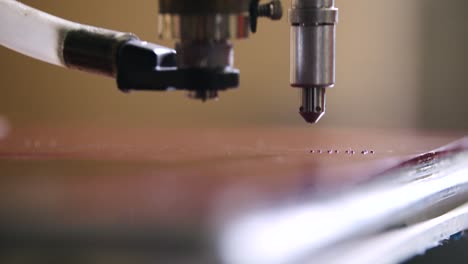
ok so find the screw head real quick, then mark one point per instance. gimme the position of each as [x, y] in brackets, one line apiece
[272, 10]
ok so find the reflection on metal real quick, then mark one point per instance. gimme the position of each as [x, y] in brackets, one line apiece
[202, 27]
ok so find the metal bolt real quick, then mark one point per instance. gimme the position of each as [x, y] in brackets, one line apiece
[273, 10]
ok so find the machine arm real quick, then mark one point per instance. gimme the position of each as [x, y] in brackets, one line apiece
[202, 61]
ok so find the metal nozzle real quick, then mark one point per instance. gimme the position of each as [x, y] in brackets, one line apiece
[313, 104]
[313, 25]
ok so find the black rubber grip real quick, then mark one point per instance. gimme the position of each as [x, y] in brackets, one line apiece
[93, 50]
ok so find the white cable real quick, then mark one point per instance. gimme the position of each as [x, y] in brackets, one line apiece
[32, 32]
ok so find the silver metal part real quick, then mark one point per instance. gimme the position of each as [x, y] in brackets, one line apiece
[203, 30]
[203, 40]
[204, 54]
[313, 104]
[313, 25]
[203, 27]
[313, 56]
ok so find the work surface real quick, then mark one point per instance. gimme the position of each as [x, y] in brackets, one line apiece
[202, 190]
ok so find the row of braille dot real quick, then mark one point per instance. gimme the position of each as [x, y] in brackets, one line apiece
[349, 152]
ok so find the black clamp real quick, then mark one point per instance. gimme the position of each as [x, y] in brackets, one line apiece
[147, 66]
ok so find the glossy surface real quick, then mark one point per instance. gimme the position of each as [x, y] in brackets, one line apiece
[168, 176]
[154, 193]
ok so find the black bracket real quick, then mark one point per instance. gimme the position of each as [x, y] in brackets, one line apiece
[147, 66]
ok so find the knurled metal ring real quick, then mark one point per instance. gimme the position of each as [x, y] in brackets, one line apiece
[312, 16]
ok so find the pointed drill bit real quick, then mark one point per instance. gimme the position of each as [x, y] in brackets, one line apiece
[313, 104]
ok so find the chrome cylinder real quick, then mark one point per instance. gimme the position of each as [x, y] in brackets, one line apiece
[313, 56]
[313, 35]
[203, 27]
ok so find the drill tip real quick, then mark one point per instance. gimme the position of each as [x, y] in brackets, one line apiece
[313, 104]
[311, 117]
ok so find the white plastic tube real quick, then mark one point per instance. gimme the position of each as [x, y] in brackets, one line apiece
[32, 32]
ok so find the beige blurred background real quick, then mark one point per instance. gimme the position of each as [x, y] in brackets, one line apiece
[400, 64]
